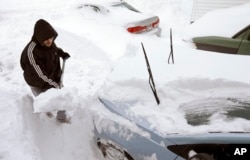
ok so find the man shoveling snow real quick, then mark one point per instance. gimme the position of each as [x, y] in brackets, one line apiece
[40, 61]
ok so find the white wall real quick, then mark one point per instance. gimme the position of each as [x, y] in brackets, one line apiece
[201, 7]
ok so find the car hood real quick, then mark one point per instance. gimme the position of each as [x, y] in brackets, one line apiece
[215, 40]
[197, 113]
[222, 138]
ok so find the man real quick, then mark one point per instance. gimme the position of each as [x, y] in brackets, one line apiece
[40, 61]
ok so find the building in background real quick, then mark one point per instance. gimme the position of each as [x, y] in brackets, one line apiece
[201, 7]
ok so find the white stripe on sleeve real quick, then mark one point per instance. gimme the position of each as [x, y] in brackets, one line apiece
[37, 67]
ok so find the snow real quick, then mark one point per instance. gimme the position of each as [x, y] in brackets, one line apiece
[215, 21]
[108, 62]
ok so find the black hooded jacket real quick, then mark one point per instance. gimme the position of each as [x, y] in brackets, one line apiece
[41, 64]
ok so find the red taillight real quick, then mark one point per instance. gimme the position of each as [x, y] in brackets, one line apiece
[156, 23]
[136, 29]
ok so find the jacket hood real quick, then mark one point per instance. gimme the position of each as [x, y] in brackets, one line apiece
[43, 31]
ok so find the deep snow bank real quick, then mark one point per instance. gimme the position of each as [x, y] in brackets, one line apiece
[29, 136]
[25, 135]
[32, 136]
[16, 140]
[224, 22]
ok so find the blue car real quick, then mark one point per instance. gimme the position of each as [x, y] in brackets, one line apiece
[126, 135]
[149, 144]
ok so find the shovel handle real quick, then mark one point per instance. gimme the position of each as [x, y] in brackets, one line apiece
[63, 68]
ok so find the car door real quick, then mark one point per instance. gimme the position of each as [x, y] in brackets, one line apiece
[244, 41]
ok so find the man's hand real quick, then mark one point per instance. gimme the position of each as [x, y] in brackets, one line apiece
[66, 56]
[63, 54]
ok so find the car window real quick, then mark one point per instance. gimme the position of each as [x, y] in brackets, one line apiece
[243, 34]
[247, 36]
[126, 5]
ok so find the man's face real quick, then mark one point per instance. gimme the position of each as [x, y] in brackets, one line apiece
[48, 42]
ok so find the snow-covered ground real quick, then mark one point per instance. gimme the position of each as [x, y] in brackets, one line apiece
[106, 61]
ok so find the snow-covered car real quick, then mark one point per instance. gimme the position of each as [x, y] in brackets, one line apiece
[238, 44]
[178, 146]
[130, 18]
[138, 129]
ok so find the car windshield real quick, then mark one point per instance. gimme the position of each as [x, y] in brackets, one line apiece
[126, 5]
[210, 99]
[200, 112]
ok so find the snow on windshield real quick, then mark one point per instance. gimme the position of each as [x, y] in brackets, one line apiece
[107, 61]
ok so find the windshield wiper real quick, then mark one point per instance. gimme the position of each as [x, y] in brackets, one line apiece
[171, 54]
[151, 80]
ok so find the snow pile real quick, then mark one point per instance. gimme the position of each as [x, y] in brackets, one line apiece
[213, 23]
[106, 61]
[15, 139]
[55, 100]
